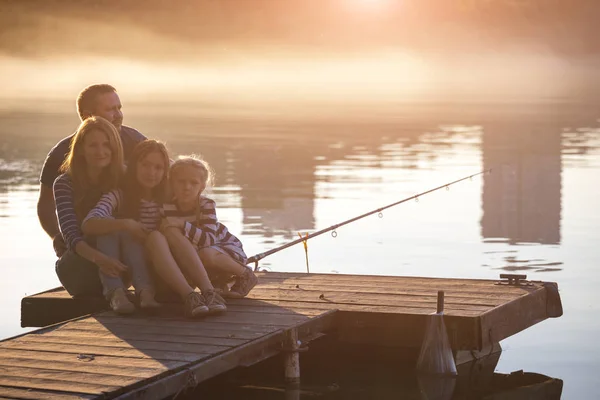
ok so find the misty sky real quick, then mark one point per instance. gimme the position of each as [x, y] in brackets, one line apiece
[302, 49]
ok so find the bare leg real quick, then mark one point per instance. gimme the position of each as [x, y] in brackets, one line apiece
[165, 265]
[218, 261]
[188, 258]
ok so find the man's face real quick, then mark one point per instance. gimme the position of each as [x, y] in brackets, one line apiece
[108, 105]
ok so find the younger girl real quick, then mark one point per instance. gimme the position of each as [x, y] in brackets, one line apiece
[192, 228]
[136, 206]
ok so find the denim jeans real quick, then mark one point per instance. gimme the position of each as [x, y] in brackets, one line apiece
[123, 247]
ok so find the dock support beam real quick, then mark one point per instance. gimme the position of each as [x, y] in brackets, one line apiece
[292, 358]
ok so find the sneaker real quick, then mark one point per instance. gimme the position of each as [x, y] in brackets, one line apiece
[194, 305]
[147, 301]
[214, 301]
[120, 303]
[244, 284]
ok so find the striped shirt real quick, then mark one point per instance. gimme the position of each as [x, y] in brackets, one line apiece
[202, 228]
[109, 204]
[68, 222]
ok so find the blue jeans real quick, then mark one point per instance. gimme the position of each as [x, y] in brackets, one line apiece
[123, 247]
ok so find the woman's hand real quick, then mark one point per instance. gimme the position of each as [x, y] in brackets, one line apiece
[59, 245]
[111, 266]
[136, 229]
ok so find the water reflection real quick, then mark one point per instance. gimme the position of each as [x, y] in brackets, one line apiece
[522, 196]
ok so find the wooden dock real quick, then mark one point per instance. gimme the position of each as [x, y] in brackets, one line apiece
[152, 357]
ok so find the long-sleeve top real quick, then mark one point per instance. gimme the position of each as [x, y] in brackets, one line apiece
[65, 211]
[109, 204]
[202, 229]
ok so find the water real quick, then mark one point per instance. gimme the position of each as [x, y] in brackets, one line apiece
[278, 175]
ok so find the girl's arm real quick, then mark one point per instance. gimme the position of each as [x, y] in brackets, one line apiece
[203, 232]
[100, 220]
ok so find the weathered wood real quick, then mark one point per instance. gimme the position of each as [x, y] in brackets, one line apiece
[51, 384]
[348, 291]
[99, 360]
[175, 324]
[81, 366]
[154, 357]
[291, 358]
[117, 343]
[200, 332]
[510, 318]
[246, 354]
[76, 349]
[80, 382]
[361, 298]
[32, 394]
[131, 336]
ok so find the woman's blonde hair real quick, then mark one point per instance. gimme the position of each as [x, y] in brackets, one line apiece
[193, 161]
[76, 167]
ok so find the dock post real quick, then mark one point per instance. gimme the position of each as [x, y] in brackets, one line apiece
[292, 358]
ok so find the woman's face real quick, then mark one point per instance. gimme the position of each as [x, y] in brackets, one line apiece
[150, 170]
[96, 149]
[187, 184]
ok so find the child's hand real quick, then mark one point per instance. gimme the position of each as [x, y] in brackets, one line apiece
[172, 222]
[136, 229]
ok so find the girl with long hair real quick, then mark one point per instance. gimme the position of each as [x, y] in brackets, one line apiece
[126, 216]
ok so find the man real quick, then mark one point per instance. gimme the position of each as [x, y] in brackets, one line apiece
[96, 100]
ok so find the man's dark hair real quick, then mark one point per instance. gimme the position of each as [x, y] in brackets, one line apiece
[86, 101]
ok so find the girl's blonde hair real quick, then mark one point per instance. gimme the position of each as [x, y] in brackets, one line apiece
[193, 161]
[76, 167]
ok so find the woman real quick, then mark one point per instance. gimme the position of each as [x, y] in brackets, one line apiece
[93, 166]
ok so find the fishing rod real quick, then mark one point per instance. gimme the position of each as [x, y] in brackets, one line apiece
[256, 258]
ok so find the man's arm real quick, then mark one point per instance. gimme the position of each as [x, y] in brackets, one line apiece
[46, 210]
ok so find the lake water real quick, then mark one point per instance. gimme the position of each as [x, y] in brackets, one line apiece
[277, 175]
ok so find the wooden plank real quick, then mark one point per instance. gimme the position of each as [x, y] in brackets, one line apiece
[32, 394]
[256, 350]
[50, 384]
[93, 383]
[212, 331]
[76, 349]
[99, 360]
[511, 318]
[359, 298]
[111, 320]
[233, 318]
[401, 286]
[383, 279]
[117, 344]
[81, 366]
[141, 335]
[338, 306]
[416, 299]
[459, 295]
